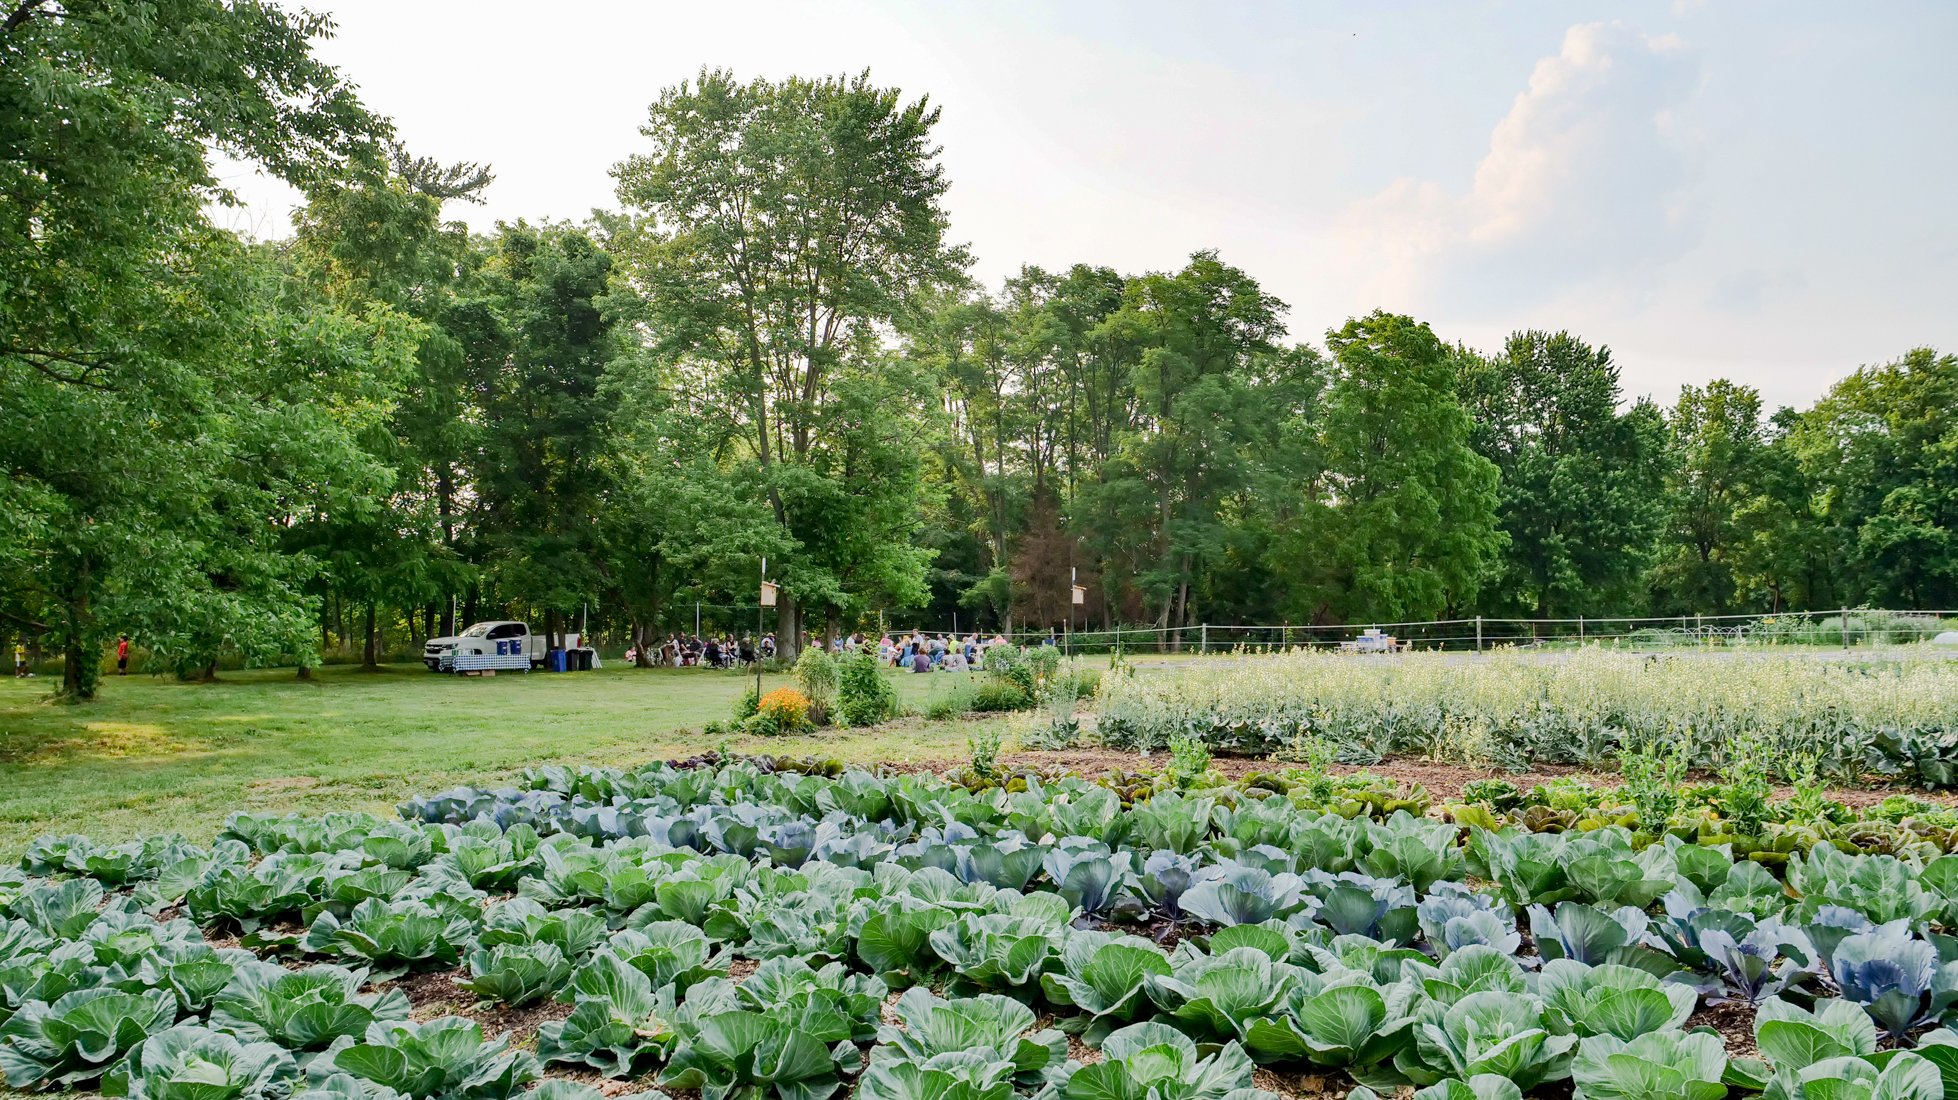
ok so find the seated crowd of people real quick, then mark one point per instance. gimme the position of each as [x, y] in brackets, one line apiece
[915, 652]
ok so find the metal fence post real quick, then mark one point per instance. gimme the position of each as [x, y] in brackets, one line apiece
[1203, 638]
[1845, 628]
[1478, 633]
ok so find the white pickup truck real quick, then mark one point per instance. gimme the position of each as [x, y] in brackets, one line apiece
[493, 639]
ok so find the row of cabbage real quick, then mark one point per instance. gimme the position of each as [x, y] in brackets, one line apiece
[1513, 709]
[1307, 940]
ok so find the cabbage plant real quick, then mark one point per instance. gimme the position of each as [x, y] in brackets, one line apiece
[1612, 1000]
[954, 1075]
[445, 1057]
[1660, 1065]
[301, 1010]
[1353, 1026]
[1244, 895]
[995, 1028]
[668, 953]
[1473, 969]
[1882, 888]
[392, 937]
[516, 974]
[1903, 1077]
[1896, 978]
[1452, 917]
[79, 1036]
[619, 1024]
[1792, 1039]
[1216, 998]
[1489, 1032]
[1155, 1061]
[1583, 933]
[997, 952]
[894, 940]
[194, 1063]
[1103, 974]
[521, 921]
[794, 1055]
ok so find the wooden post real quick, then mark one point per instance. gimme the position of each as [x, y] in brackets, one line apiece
[1478, 633]
[1203, 638]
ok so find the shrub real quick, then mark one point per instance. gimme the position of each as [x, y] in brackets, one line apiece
[952, 704]
[786, 709]
[1032, 669]
[998, 696]
[863, 696]
[1652, 784]
[816, 676]
[984, 744]
[1189, 761]
[745, 707]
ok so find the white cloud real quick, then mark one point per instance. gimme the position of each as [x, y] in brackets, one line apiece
[1588, 180]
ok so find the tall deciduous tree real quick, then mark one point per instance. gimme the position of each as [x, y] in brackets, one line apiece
[149, 409]
[1581, 482]
[1882, 450]
[1402, 523]
[1716, 447]
[781, 224]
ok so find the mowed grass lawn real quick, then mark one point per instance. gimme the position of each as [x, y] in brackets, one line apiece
[154, 755]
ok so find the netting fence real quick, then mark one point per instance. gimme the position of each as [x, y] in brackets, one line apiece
[1847, 628]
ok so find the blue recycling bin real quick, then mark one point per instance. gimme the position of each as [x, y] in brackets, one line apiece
[557, 660]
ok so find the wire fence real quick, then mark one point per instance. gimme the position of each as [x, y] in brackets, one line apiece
[1845, 628]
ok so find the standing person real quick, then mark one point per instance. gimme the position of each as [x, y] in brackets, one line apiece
[122, 656]
[20, 658]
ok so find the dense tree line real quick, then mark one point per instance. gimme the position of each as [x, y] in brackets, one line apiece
[774, 349]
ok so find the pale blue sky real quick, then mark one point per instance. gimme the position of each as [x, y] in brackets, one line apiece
[1760, 191]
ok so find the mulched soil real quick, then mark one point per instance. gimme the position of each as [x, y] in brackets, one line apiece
[1735, 1023]
[436, 994]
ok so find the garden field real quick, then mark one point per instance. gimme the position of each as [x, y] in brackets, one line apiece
[152, 754]
[398, 886]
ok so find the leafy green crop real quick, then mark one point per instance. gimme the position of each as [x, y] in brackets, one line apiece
[1153, 1061]
[1489, 1032]
[393, 937]
[79, 1036]
[301, 1009]
[1104, 974]
[1660, 1065]
[194, 1063]
[447, 1057]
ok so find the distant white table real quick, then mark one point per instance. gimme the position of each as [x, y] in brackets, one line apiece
[478, 662]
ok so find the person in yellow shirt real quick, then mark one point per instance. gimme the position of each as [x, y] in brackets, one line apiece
[20, 658]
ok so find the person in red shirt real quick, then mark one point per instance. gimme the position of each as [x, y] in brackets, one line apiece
[122, 656]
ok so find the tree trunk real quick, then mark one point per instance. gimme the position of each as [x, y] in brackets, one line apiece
[81, 658]
[550, 630]
[829, 628]
[469, 605]
[367, 660]
[788, 635]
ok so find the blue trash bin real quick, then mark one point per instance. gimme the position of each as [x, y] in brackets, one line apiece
[557, 660]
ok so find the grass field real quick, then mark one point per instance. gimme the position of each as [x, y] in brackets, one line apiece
[154, 755]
